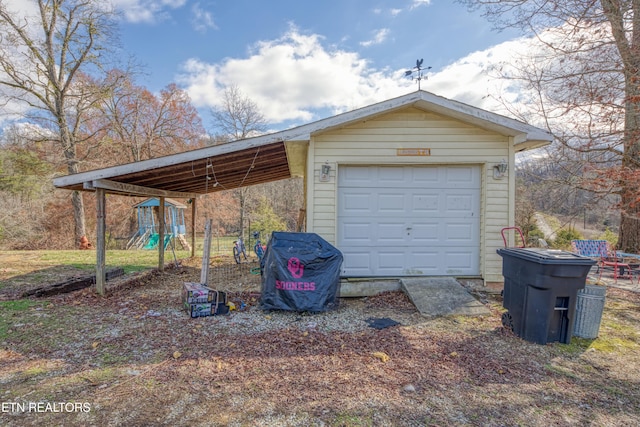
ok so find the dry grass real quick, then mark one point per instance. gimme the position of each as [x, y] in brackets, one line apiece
[135, 368]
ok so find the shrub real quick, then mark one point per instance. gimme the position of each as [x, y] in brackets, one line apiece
[609, 236]
[534, 235]
[268, 221]
[564, 237]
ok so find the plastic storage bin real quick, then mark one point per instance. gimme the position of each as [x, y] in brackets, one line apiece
[540, 292]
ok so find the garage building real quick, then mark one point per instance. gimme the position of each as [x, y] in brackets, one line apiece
[418, 185]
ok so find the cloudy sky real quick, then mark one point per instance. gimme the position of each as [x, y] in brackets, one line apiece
[305, 60]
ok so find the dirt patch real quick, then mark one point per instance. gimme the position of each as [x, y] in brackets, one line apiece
[134, 357]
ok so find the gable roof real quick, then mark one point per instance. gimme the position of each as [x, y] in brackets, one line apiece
[266, 158]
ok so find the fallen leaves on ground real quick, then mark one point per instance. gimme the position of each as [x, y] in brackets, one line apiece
[140, 369]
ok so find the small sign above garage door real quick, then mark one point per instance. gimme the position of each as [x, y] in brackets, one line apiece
[409, 220]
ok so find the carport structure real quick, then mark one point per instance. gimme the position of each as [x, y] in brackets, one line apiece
[414, 185]
[188, 175]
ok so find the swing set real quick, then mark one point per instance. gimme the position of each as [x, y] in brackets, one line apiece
[147, 235]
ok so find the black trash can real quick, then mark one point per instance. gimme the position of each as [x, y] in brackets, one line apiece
[540, 292]
[300, 272]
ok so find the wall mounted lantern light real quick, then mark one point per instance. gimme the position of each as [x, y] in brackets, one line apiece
[500, 169]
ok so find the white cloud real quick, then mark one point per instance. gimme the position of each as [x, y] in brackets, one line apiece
[467, 79]
[202, 20]
[297, 78]
[22, 6]
[474, 80]
[379, 37]
[418, 3]
[293, 77]
[414, 4]
[149, 11]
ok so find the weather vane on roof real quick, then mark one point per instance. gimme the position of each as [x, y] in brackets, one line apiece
[418, 70]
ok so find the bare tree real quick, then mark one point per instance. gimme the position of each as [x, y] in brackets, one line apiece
[237, 118]
[583, 80]
[139, 125]
[43, 59]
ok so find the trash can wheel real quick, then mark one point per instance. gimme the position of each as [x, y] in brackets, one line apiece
[507, 321]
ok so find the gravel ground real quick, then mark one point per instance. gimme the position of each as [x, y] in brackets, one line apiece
[243, 288]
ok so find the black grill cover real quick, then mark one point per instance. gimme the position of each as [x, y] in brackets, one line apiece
[300, 272]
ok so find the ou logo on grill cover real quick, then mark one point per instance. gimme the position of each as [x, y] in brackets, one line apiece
[295, 267]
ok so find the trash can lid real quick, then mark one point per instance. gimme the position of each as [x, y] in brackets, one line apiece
[546, 256]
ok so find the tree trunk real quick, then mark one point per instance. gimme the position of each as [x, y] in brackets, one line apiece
[629, 237]
[629, 234]
[78, 216]
[71, 157]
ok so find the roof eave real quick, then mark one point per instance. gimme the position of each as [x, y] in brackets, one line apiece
[531, 144]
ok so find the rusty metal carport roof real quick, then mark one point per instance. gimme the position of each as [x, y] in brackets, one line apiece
[190, 173]
[274, 156]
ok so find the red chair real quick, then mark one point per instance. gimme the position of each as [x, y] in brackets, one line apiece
[611, 261]
[517, 232]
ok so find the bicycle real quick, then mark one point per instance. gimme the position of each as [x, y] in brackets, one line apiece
[239, 249]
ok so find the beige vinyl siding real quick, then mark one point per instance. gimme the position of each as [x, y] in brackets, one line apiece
[495, 218]
[376, 141]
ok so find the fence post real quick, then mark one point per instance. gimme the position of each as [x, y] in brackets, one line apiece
[101, 243]
[206, 252]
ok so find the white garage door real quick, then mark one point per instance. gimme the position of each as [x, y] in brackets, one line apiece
[409, 220]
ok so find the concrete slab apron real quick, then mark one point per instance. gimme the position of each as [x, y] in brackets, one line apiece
[441, 296]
